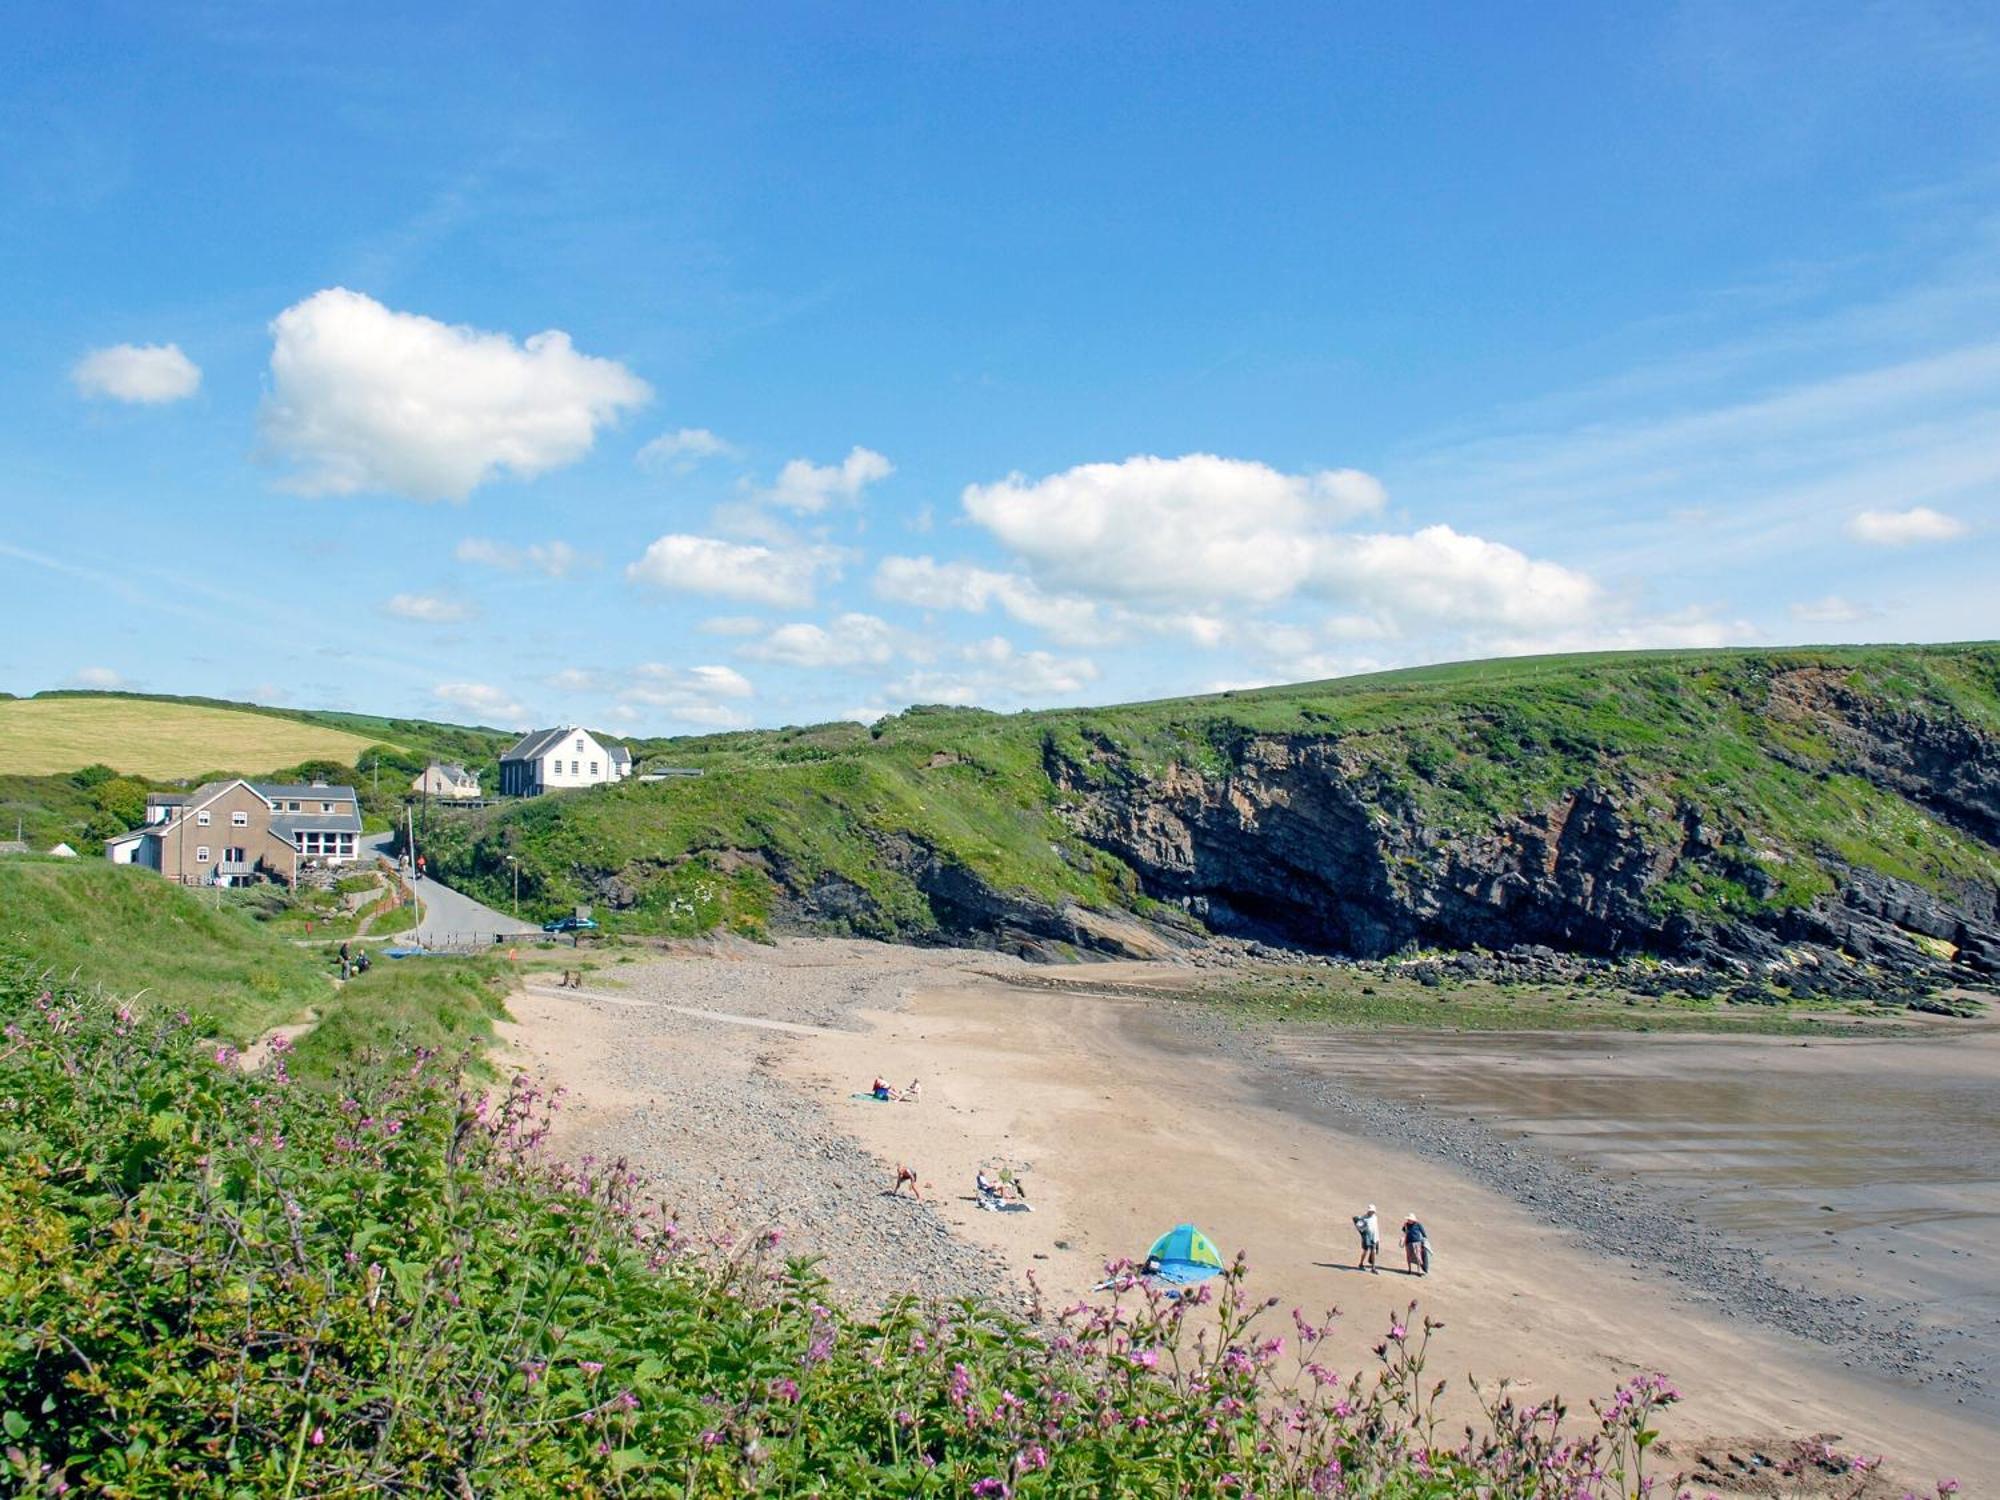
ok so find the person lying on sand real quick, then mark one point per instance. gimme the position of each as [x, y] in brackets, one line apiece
[1369, 1228]
[880, 1088]
[1416, 1247]
[903, 1175]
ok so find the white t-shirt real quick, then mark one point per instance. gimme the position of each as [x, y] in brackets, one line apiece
[1369, 1229]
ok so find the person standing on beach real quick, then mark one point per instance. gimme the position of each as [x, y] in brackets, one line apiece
[1416, 1247]
[1370, 1230]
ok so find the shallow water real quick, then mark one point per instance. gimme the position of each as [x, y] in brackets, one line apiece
[1868, 1167]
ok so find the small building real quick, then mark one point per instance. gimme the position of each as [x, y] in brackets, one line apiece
[447, 780]
[227, 832]
[555, 760]
[63, 851]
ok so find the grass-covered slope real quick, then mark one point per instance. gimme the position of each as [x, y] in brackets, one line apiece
[157, 737]
[130, 932]
[1695, 788]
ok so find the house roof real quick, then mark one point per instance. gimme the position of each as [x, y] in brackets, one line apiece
[290, 826]
[533, 745]
[273, 790]
[451, 771]
[620, 756]
[130, 834]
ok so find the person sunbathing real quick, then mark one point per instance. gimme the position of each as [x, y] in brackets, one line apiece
[991, 1193]
[880, 1088]
[914, 1094]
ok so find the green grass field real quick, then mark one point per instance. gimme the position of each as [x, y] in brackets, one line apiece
[148, 737]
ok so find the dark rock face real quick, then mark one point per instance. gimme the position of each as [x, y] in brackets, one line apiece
[1306, 844]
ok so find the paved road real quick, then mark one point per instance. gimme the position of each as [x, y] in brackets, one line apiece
[444, 916]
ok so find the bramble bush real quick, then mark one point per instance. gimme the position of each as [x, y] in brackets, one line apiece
[214, 1283]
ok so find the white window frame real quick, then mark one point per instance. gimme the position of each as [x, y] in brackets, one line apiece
[201, 819]
[239, 819]
[593, 768]
[201, 854]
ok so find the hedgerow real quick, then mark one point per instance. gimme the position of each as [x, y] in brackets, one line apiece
[221, 1284]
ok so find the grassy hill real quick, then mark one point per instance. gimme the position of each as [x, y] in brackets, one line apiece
[159, 738]
[1606, 801]
[133, 933]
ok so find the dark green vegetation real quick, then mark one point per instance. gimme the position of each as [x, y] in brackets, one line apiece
[220, 1284]
[172, 950]
[1731, 806]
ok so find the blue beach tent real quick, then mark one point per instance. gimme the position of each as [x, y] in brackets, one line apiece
[1184, 1255]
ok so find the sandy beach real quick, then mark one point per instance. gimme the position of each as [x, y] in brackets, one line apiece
[728, 1078]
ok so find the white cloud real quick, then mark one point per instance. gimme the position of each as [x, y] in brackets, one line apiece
[1695, 627]
[994, 673]
[148, 374]
[853, 640]
[1438, 576]
[428, 609]
[99, 679]
[1900, 528]
[689, 695]
[364, 398]
[682, 451]
[930, 584]
[1196, 527]
[576, 680]
[781, 576]
[557, 559]
[809, 488]
[492, 704]
[1831, 610]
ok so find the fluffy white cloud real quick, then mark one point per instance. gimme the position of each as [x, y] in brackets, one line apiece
[558, 559]
[366, 398]
[852, 640]
[1900, 528]
[1832, 610]
[810, 488]
[99, 679]
[428, 609]
[682, 451]
[930, 584]
[783, 576]
[148, 374]
[492, 704]
[1195, 527]
[1438, 576]
[994, 673]
[576, 680]
[689, 695]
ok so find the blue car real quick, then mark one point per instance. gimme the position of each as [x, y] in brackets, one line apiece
[570, 924]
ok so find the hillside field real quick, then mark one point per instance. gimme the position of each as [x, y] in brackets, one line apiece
[161, 740]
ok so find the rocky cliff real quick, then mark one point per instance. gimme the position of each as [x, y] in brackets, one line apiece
[1831, 813]
[1308, 839]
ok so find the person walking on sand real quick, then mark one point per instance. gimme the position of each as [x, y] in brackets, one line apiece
[1370, 1230]
[903, 1175]
[1416, 1247]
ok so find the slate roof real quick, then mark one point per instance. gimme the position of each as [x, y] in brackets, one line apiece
[536, 743]
[272, 791]
[291, 825]
[620, 756]
[456, 774]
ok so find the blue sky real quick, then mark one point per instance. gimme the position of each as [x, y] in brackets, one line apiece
[666, 368]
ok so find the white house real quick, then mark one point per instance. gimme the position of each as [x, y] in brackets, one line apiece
[555, 760]
[448, 780]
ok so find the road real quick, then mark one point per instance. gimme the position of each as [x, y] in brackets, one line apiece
[447, 917]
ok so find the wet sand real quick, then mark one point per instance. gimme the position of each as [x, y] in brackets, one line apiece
[1125, 1120]
[1862, 1168]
